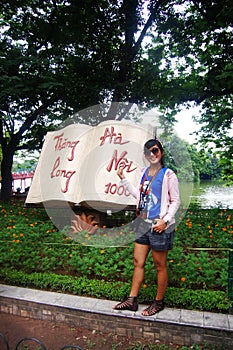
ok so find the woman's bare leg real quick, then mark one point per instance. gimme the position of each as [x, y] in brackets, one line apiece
[160, 262]
[140, 254]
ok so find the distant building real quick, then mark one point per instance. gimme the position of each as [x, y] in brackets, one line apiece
[21, 180]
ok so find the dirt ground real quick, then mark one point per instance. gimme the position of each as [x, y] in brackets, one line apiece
[54, 336]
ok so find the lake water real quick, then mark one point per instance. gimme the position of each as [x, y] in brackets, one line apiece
[208, 194]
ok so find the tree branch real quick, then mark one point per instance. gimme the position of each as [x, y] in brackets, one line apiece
[31, 118]
[217, 93]
[148, 24]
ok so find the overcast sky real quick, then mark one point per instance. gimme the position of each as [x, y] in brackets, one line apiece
[185, 125]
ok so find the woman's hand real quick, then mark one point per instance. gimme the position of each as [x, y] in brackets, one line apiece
[120, 173]
[159, 226]
[84, 222]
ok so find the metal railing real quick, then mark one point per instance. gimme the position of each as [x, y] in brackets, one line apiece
[230, 265]
[30, 344]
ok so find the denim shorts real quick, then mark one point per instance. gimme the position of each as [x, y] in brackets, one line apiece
[157, 241]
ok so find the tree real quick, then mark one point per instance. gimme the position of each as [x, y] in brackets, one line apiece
[53, 50]
[189, 163]
[59, 56]
[41, 73]
[217, 132]
[196, 38]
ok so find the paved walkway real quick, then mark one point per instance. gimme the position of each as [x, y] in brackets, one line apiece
[168, 315]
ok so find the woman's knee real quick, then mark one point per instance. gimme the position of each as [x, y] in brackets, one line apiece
[140, 254]
[159, 266]
[138, 263]
[160, 260]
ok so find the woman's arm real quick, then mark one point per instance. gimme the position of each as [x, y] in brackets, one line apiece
[171, 197]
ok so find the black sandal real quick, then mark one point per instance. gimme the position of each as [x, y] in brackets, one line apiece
[130, 304]
[154, 308]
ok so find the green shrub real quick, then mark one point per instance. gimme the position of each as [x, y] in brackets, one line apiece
[175, 297]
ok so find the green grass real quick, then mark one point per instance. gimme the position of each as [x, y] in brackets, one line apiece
[34, 253]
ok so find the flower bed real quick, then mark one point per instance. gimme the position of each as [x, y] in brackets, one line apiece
[198, 265]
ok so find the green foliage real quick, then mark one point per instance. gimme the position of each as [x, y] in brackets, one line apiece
[60, 57]
[151, 346]
[34, 254]
[189, 163]
[216, 132]
[24, 162]
[197, 42]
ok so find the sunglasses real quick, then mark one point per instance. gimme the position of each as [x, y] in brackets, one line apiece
[154, 150]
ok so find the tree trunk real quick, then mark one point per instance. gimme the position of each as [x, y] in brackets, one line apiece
[6, 167]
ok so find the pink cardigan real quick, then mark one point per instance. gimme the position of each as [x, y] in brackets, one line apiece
[170, 199]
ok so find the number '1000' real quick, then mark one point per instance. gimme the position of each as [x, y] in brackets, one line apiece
[115, 189]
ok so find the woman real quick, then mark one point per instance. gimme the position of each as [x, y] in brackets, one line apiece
[157, 202]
